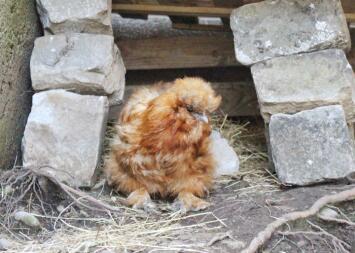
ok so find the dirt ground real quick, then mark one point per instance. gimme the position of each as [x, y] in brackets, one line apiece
[245, 214]
[241, 207]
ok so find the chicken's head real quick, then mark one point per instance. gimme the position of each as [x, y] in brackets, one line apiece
[197, 96]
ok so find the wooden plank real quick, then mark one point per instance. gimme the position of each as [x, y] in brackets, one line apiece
[350, 17]
[181, 10]
[185, 52]
[172, 10]
[191, 3]
[233, 3]
[178, 52]
[239, 98]
[235, 84]
[201, 3]
[351, 54]
[348, 5]
[199, 27]
[136, 1]
[184, 20]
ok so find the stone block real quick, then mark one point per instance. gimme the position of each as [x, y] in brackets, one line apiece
[283, 27]
[311, 146]
[301, 82]
[64, 135]
[83, 63]
[79, 16]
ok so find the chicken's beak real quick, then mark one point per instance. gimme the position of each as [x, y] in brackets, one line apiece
[201, 117]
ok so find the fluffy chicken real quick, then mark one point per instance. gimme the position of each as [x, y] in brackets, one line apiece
[162, 145]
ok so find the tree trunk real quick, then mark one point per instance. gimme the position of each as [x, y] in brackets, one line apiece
[19, 26]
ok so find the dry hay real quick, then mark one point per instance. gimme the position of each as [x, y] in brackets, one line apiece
[248, 141]
[78, 229]
[126, 233]
[74, 228]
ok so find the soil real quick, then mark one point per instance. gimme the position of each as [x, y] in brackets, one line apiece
[247, 214]
[241, 207]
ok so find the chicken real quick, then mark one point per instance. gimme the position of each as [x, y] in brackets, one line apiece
[162, 146]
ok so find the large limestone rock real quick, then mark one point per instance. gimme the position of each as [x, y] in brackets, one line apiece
[282, 27]
[301, 82]
[64, 135]
[19, 27]
[80, 16]
[83, 63]
[311, 146]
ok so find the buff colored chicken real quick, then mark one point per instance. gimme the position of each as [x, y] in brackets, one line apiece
[162, 146]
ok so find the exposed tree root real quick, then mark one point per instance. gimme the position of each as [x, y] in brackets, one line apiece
[266, 234]
[28, 181]
[21, 180]
[79, 197]
[341, 221]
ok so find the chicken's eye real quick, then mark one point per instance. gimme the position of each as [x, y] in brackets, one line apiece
[189, 108]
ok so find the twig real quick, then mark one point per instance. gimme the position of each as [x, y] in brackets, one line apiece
[314, 233]
[102, 205]
[77, 195]
[60, 214]
[224, 121]
[277, 243]
[219, 237]
[342, 221]
[340, 212]
[335, 239]
[266, 234]
[39, 198]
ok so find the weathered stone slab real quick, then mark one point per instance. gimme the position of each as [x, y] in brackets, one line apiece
[83, 63]
[311, 146]
[64, 135]
[300, 82]
[271, 166]
[116, 98]
[79, 16]
[227, 161]
[283, 27]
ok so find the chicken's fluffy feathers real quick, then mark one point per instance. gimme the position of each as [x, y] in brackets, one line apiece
[162, 147]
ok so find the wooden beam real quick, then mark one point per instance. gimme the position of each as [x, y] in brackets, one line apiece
[172, 10]
[350, 17]
[233, 3]
[351, 54]
[185, 52]
[221, 9]
[189, 3]
[348, 6]
[201, 3]
[239, 98]
[200, 27]
[178, 52]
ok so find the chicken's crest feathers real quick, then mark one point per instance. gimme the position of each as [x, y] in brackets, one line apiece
[196, 92]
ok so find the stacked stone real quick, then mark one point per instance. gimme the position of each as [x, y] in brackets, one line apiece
[304, 83]
[78, 71]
